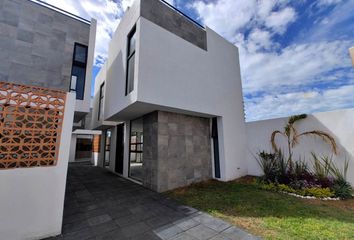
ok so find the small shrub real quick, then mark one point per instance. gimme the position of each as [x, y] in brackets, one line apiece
[300, 169]
[269, 187]
[268, 163]
[319, 192]
[342, 189]
[321, 166]
[286, 188]
[301, 184]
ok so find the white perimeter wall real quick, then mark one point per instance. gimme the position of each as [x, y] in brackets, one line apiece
[32, 199]
[340, 124]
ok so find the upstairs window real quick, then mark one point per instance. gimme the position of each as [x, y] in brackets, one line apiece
[100, 104]
[130, 61]
[78, 72]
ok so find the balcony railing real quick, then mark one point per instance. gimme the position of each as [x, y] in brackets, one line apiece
[183, 14]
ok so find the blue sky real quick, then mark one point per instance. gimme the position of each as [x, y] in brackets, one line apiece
[293, 54]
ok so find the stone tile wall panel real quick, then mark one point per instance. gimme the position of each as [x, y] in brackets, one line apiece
[37, 44]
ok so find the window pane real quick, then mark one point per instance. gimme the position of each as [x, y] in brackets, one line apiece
[80, 53]
[102, 91]
[79, 72]
[132, 41]
[130, 69]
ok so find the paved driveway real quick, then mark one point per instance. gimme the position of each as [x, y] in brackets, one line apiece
[100, 205]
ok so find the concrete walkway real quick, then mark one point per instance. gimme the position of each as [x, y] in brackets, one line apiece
[100, 205]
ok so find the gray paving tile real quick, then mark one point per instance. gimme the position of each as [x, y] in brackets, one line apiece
[211, 222]
[186, 223]
[234, 233]
[135, 229]
[106, 207]
[168, 231]
[99, 220]
[202, 232]
[184, 236]
[220, 237]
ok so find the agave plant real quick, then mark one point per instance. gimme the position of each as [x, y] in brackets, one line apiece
[293, 136]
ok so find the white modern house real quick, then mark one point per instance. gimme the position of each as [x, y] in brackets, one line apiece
[170, 94]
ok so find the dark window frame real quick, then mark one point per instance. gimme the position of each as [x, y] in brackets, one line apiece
[129, 56]
[80, 65]
[215, 137]
[100, 101]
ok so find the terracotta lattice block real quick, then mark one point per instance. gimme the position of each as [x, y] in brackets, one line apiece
[30, 125]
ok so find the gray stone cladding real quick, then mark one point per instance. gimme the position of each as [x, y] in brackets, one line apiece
[37, 44]
[169, 19]
[177, 150]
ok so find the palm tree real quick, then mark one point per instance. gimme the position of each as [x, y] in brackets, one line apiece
[292, 135]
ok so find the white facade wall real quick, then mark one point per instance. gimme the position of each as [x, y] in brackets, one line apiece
[176, 74]
[72, 148]
[171, 74]
[115, 99]
[337, 123]
[97, 123]
[32, 199]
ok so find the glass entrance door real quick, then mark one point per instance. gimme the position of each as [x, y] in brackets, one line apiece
[136, 149]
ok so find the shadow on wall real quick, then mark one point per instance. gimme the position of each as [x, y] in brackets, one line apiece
[339, 124]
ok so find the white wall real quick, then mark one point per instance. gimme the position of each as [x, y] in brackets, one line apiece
[176, 74]
[32, 199]
[72, 148]
[337, 123]
[115, 99]
[172, 74]
[95, 122]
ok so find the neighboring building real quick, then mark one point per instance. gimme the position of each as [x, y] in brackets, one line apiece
[84, 146]
[170, 98]
[351, 52]
[46, 58]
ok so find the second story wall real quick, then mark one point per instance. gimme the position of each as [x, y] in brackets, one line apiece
[37, 44]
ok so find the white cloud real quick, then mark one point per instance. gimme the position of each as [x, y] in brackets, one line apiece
[328, 2]
[295, 65]
[259, 39]
[223, 17]
[277, 71]
[278, 21]
[282, 105]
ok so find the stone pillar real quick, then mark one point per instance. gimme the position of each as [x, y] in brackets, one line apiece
[177, 150]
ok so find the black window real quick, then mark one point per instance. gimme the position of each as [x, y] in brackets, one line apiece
[100, 106]
[78, 72]
[215, 137]
[130, 61]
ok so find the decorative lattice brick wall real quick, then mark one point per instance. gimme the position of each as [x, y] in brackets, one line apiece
[96, 143]
[30, 125]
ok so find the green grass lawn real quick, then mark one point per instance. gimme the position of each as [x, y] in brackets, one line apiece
[271, 215]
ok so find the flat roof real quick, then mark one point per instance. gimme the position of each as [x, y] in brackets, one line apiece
[59, 10]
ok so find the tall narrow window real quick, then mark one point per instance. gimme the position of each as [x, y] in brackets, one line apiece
[78, 71]
[215, 137]
[100, 104]
[130, 62]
